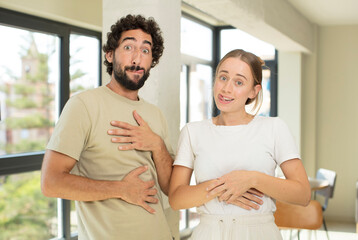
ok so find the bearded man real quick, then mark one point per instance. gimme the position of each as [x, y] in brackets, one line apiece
[110, 149]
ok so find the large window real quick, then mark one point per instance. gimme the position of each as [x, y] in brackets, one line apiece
[42, 64]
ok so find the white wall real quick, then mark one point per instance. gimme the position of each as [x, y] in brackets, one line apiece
[337, 114]
[289, 92]
[81, 13]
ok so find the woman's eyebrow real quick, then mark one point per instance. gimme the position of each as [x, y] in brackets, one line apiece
[237, 74]
[240, 75]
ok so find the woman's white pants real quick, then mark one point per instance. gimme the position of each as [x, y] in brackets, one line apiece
[230, 227]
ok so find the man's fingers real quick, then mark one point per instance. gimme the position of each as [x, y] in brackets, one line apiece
[151, 200]
[121, 124]
[126, 147]
[122, 139]
[119, 132]
[150, 184]
[138, 118]
[151, 192]
[138, 171]
[147, 207]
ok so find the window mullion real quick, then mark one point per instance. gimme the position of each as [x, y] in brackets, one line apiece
[65, 72]
[66, 218]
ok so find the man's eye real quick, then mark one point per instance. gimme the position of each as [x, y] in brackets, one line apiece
[146, 51]
[127, 47]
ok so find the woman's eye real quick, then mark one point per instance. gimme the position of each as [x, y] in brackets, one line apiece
[223, 78]
[238, 83]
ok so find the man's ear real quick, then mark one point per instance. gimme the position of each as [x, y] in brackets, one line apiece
[109, 56]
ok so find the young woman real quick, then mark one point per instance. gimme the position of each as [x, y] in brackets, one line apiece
[234, 156]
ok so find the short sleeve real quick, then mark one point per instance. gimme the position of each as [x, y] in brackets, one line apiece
[185, 155]
[72, 129]
[285, 145]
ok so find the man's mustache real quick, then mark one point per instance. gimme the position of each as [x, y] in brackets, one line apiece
[134, 68]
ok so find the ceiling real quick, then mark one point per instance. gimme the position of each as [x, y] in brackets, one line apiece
[320, 12]
[328, 12]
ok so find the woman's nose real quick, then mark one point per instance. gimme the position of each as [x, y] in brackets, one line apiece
[227, 87]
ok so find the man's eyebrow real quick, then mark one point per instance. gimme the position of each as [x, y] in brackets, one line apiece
[134, 39]
[147, 42]
[129, 38]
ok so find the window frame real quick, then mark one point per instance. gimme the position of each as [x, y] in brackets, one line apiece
[189, 61]
[32, 161]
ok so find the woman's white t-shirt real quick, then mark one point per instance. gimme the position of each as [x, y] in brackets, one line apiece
[213, 151]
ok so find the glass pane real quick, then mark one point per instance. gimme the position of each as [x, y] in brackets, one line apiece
[74, 223]
[194, 218]
[24, 212]
[29, 76]
[84, 63]
[237, 39]
[266, 100]
[196, 39]
[200, 92]
[183, 95]
[182, 219]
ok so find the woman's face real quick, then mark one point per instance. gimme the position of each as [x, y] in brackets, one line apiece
[234, 84]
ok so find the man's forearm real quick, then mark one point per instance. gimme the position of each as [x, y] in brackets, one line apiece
[164, 165]
[72, 187]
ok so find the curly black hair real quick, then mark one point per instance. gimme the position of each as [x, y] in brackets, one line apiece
[131, 22]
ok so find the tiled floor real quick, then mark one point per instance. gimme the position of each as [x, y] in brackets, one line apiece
[336, 231]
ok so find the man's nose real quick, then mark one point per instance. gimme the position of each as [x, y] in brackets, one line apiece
[136, 57]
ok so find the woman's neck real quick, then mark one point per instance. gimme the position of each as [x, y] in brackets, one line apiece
[231, 119]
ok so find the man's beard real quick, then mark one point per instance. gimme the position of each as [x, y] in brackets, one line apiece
[123, 79]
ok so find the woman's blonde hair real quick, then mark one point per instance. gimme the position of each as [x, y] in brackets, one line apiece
[255, 63]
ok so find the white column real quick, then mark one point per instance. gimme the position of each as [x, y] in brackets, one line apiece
[289, 92]
[162, 87]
